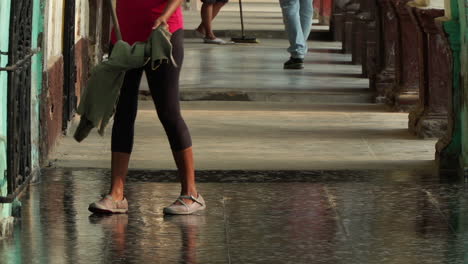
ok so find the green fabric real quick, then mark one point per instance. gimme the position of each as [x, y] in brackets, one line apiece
[99, 98]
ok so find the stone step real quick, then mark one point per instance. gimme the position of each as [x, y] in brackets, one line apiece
[355, 96]
[253, 7]
[258, 24]
[260, 34]
[254, 72]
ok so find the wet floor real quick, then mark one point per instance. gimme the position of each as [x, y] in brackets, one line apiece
[301, 217]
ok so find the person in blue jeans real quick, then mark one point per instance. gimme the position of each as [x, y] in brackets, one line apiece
[297, 17]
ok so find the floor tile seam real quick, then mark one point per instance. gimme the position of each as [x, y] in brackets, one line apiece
[347, 236]
[332, 204]
[371, 151]
[246, 176]
[226, 226]
[435, 203]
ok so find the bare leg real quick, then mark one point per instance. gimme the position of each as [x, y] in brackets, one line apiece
[186, 169]
[208, 14]
[119, 171]
[216, 8]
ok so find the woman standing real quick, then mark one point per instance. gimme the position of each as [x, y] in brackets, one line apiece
[137, 19]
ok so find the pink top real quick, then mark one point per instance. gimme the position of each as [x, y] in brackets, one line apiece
[136, 19]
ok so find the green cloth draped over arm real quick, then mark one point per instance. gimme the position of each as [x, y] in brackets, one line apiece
[100, 97]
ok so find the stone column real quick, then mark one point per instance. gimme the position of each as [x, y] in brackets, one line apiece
[449, 147]
[385, 80]
[371, 64]
[338, 19]
[429, 119]
[358, 37]
[405, 95]
[369, 49]
[350, 10]
[361, 20]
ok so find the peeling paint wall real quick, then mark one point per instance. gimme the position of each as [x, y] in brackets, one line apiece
[36, 83]
[53, 31]
[51, 97]
[81, 44]
[81, 20]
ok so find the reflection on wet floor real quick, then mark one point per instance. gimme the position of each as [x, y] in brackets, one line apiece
[374, 218]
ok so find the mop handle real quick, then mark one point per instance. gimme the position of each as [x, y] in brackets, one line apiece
[242, 18]
[115, 21]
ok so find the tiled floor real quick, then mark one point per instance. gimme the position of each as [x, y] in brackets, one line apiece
[285, 182]
[267, 136]
[259, 67]
[298, 124]
[374, 218]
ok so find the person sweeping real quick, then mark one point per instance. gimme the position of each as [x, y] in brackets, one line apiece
[138, 20]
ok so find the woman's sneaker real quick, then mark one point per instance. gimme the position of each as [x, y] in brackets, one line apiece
[294, 63]
[107, 205]
[182, 208]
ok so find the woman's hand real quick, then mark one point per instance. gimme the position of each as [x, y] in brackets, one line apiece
[162, 20]
[171, 7]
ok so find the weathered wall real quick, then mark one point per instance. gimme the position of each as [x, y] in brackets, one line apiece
[82, 44]
[53, 31]
[82, 64]
[51, 96]
[36, 83]
[97, 18]
[5, 209]
[51, 112]
[463, 16]
[81, 19]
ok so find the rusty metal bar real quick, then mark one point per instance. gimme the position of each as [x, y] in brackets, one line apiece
[20, 63]
[18, 191]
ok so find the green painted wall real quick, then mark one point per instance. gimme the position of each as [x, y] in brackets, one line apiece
[463, 18]
[36, 87]
[450, 155]
[36, 82]
[5, 209]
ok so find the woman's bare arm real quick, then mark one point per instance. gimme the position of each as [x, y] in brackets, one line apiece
[171, 7]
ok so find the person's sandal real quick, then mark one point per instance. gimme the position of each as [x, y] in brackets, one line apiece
[217, 41]
[107, 205]
[185, 209]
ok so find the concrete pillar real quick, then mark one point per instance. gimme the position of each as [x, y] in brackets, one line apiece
[371, 62]
[359, 31]
[337, 22]
[368, 37]
[350, 10]
[363, 17]
[385, 80]
[429, 119]
[449, 147]
[405, 96]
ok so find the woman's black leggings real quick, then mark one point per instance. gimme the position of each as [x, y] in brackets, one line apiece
[164, 86]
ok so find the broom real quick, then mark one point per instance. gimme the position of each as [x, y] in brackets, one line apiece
[115, 21]
[243, 38]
